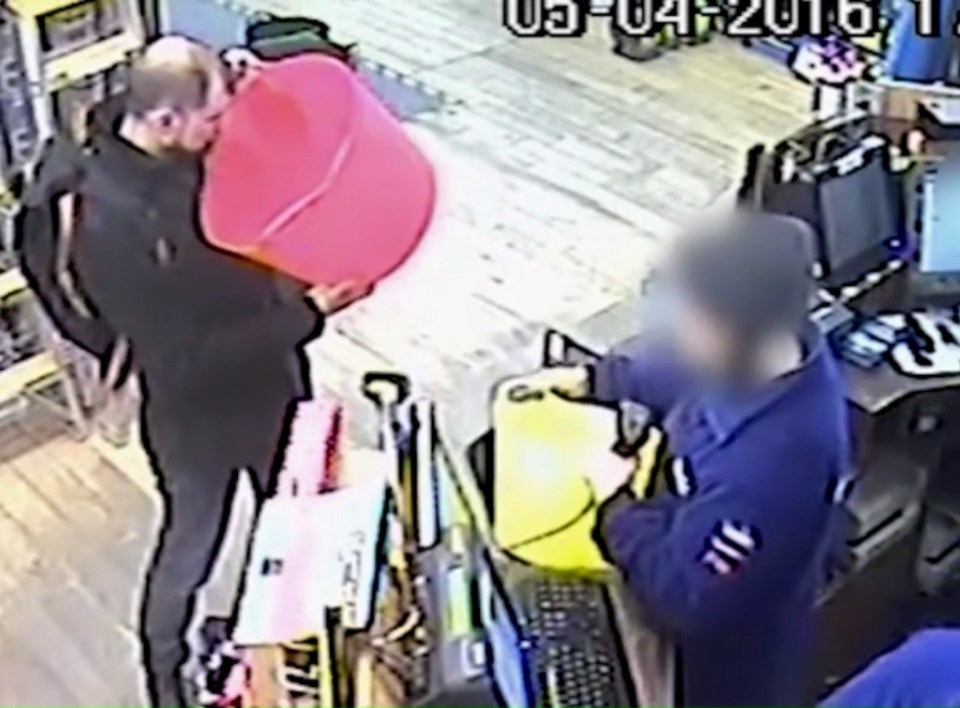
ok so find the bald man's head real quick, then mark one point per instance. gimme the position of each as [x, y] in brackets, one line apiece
[178, 89]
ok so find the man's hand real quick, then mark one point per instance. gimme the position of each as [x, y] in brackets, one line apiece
[332, 299]
[608, 473]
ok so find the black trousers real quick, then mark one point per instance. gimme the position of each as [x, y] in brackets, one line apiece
[196, 511]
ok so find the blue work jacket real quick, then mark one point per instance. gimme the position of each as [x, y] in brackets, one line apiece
[730, 562]
[923, 671]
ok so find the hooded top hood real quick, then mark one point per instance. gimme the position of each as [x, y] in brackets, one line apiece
[60, 167]
[753, 271]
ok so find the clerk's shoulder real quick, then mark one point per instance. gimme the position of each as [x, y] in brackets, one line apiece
[799, 444]
[810, 433]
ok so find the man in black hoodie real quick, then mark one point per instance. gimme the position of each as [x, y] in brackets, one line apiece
[216, 339]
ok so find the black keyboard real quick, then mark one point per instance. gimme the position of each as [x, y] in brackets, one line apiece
[929, 290]
[576, 652]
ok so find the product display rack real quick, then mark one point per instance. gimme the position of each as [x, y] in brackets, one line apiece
[34, 364]
[57, 58]
[18, 129]
[65, 43]
[781, 49]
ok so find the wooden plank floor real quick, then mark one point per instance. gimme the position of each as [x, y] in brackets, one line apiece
[563, 170]
[73, 536]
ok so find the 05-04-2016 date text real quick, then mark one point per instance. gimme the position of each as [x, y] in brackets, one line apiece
[740, 19]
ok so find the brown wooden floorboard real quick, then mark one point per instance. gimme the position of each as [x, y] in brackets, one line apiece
[69, 564]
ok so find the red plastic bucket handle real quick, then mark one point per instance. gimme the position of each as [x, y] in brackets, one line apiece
[288, 214]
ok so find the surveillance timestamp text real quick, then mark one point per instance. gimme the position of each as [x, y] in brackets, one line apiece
[739, 19]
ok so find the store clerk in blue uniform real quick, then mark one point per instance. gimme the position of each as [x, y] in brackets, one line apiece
[729, 562]
[923, 671]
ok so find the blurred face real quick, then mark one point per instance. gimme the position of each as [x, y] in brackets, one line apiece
[192, 131]
[703, 341]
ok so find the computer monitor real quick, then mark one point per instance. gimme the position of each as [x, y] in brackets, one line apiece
[939, 222]
[461, 505]
[508, 651]
[860, 218]
[463, 511]
[852, 202]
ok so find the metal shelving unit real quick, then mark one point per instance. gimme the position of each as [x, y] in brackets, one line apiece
[57, 58]
[34, 364]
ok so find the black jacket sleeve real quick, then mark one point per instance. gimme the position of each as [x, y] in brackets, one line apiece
[280, 330]
[651, 377]
[36, 235]
[198, 320]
